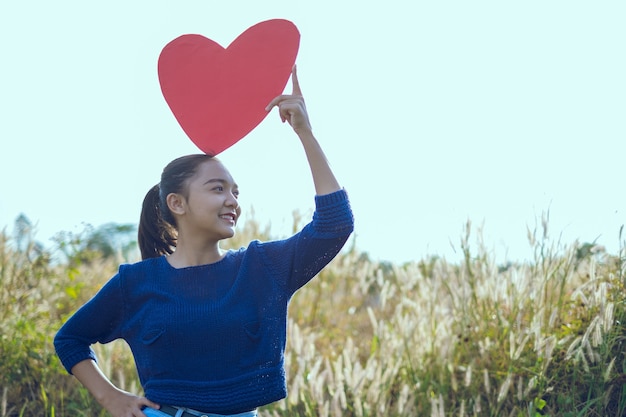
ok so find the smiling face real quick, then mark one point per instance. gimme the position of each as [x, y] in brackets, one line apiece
[209, 206]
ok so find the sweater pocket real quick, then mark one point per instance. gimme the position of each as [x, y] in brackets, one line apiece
[250, 354]
[152, 335]
[252, 330]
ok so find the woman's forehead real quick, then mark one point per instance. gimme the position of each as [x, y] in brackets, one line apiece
[214, 170]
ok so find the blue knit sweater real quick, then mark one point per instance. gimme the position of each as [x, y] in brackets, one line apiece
[210, 337]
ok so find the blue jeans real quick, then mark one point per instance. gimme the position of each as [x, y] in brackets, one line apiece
[151, 412]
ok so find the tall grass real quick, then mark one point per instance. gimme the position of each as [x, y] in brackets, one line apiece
[427, 338]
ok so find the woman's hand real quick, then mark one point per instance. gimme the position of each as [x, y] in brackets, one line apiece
[125, 404]
[116, 401]
[291, 108]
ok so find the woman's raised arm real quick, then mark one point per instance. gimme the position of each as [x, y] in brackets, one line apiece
[293, 110]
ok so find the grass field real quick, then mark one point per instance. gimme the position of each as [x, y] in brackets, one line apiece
[544, 337]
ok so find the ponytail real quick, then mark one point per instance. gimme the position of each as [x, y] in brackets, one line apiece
[156, 236]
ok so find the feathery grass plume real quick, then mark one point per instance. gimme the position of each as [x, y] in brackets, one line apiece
[504, 388]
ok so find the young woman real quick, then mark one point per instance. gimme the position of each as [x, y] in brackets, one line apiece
[207, 327]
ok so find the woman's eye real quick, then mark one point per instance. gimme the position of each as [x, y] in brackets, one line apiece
[218, 189]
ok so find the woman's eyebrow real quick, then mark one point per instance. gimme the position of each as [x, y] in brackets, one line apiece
[221, 181]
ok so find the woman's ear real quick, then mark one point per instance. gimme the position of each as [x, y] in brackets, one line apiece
[176, 203]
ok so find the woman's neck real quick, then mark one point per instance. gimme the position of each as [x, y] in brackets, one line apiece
[187, 254]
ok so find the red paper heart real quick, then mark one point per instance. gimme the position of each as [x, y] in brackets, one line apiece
[219, 95]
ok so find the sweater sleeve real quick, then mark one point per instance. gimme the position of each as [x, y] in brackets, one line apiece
[98, 320]
[302, 256]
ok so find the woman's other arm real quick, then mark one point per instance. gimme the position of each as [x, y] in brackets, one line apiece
[116, 401]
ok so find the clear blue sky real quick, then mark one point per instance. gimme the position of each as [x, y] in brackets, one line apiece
[431, 113]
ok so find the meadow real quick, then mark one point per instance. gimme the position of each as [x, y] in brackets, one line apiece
[477, 337]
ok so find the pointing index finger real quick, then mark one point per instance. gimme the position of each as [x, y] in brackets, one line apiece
[296, 85]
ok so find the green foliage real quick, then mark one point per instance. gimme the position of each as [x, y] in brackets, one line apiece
[108, 241]
[428, 338]
[36, 295]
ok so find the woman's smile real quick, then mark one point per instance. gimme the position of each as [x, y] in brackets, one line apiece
[231, 218]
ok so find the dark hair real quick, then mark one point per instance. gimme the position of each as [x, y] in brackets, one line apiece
[157, 232]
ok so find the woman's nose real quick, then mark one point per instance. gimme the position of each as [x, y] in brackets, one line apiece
[232, 200]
